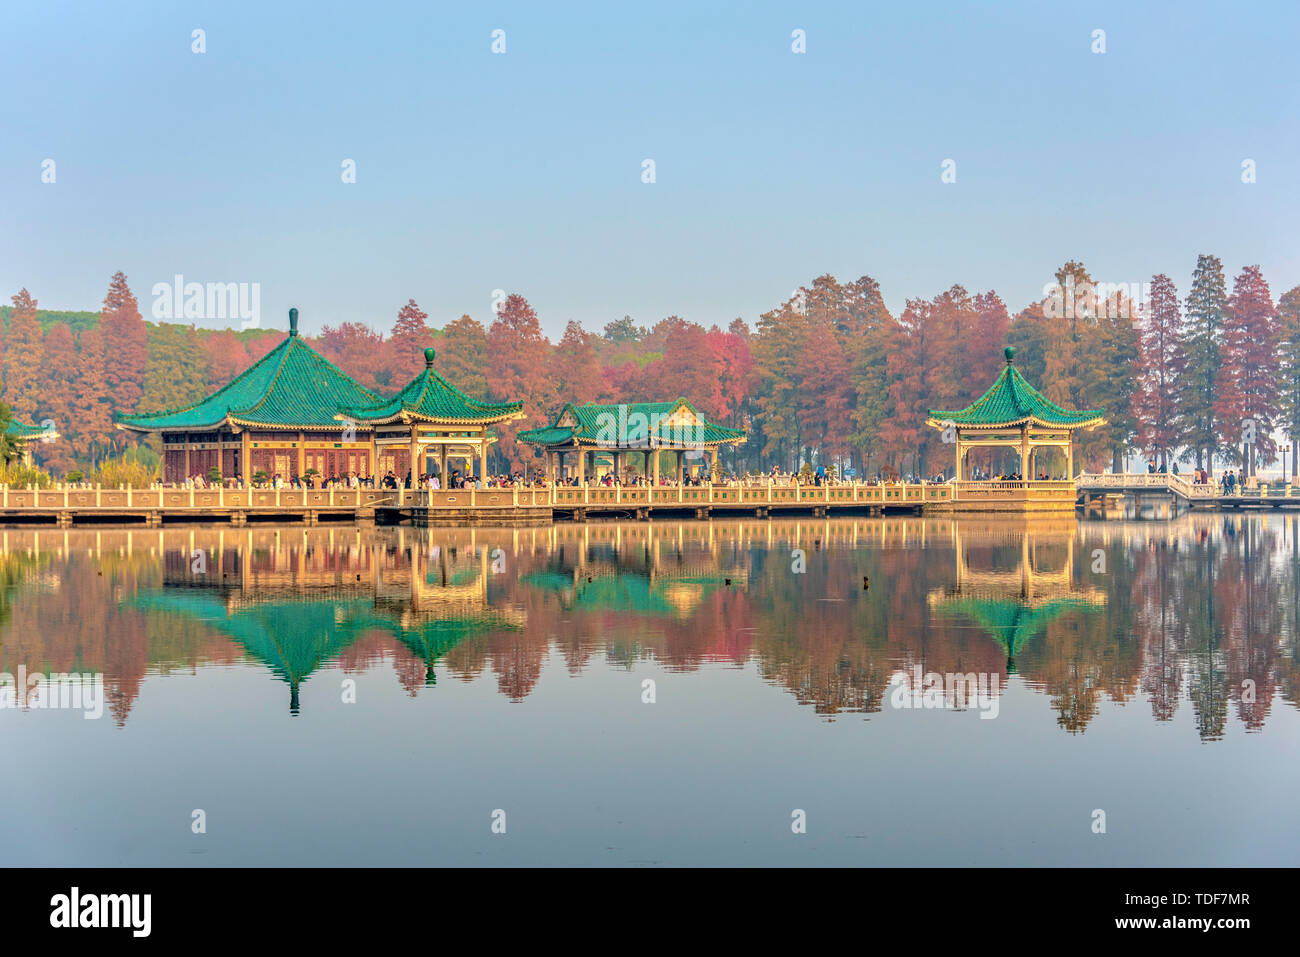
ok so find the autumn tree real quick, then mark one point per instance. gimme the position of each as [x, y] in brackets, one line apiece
[126, 351]
[825, 392]
[575, 367]
[1068, 308]
[911, 388]
[1247, 395]
[1160, 368]
[983, 359]
[688, 367]
[407, 342]
[517, 353]
[1110, 376]
[56, 388]
[176, 373]
[91, 402]
[869, 332]
[1206, 310]
[776, 350]
[463, 356]
[1288, 342]
[359, 351]
[23, 358]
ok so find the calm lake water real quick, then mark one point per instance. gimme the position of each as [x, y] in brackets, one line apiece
[657, 694]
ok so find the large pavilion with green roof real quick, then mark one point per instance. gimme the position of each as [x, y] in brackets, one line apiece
[430, 416]
[613, 430]
[293, 413]
[1013, 414]
[277, 417]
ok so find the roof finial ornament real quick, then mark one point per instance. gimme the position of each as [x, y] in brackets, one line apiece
[1010, 353]
[293, 321]
[429, 355]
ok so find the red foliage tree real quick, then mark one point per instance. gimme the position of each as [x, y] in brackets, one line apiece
[1161, 363]
[358, 350]
[23, 350]
[410, 337]
[1248, 393]
[56, 388]
[91, 401]
[517, 353]
[126, 351]
[575, 366]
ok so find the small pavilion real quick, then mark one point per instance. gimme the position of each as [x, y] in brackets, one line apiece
[615, 430]
[430, 416]
[21, 436]
[1013, 414]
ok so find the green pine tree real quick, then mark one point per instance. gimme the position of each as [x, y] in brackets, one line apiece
[1206, 309]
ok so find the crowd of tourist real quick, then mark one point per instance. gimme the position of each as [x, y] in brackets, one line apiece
[1229, 482]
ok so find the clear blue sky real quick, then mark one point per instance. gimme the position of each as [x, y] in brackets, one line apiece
[522, 171]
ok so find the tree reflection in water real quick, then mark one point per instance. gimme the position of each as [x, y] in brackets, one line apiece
[1200, 612]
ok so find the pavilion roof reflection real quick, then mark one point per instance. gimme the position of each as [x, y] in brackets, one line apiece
[656, 576]
[296, 619]
[1014, 604]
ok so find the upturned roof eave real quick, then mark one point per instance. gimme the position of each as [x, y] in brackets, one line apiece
[941, 420]
[404, 414]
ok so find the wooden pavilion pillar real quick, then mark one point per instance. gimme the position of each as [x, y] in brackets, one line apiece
[582, 467]
[652, 459]
[415, 455]
[1024, 451]
[681, 464]
[482, 459]
[245, 453]
[618, 472]
[442, 465]
[302, 453]
[1069, 457]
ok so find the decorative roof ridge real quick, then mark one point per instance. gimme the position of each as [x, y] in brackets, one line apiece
[312, 356]
[465, 396]
[1026, 401]
[275, 377]
[126, 417]
[426, 386]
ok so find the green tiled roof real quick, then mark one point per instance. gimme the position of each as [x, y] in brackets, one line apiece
[1011, 623]
[625, 592]
[21, 430]
[431, 397]
[296, 637]
[291, 387]
[547, 436]
[613, 425]
[1011, 400]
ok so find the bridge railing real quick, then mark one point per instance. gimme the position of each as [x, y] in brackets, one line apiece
[82, 497]
[1178, 484]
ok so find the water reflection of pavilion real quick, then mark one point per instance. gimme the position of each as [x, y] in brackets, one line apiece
[645, 571]
[295, 614]
[1014, 604]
